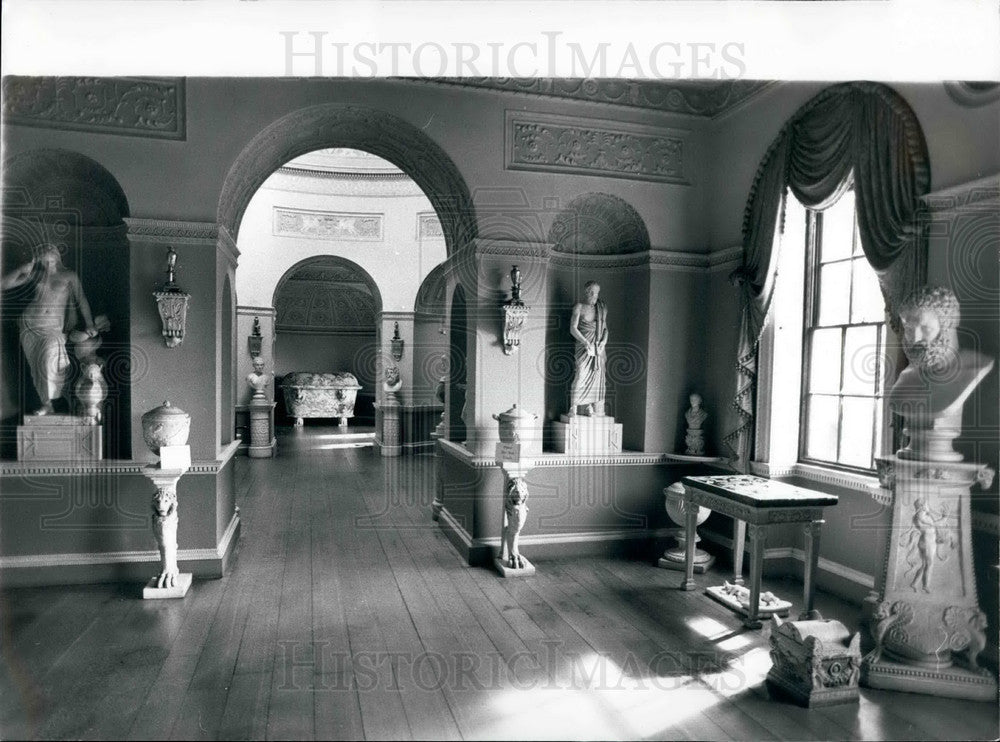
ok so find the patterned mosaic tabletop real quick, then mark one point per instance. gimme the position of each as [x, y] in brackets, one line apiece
[758, 491]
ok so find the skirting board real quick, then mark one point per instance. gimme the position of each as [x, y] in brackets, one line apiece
[38, 570]
[481, 551]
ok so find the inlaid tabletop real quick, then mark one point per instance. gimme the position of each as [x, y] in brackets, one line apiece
[759, 492]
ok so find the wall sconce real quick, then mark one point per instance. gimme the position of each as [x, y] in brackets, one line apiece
[255, 340]
[514, 314]
[396, 345]
[172, 304]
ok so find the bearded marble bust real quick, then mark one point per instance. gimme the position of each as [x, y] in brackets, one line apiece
[941, 376]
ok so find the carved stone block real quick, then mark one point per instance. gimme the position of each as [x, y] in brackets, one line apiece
[817, 663]
[59, 438]
[582, 435]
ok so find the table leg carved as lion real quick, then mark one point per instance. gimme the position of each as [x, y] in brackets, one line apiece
[165, 531]
[515, 513]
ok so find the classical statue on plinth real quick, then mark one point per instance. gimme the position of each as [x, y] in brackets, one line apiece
[589, 327]
[695, 417]
[48, 319]
[923, 617]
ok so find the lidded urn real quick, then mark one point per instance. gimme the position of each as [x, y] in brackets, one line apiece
[165, 425]
[516, 425]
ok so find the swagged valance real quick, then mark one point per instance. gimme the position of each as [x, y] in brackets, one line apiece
[858, 128]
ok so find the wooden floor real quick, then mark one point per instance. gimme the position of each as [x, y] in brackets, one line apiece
[347, 614]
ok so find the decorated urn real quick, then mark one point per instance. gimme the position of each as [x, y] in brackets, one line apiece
[165, 425]
[517, 426]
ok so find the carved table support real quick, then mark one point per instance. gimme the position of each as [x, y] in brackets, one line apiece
[170, 582]
[510, 562]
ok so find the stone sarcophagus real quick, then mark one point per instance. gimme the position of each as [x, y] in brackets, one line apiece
[320, 395]
[816, 663]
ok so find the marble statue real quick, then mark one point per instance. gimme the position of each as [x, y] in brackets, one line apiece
[695, 416]
[58, 295]
[258, 379]
[515, 513]
[589, 326]
[930, 392]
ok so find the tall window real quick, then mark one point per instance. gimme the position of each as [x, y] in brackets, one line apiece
[843, 378]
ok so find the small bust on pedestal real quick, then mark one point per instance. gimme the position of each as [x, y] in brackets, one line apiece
[258, 380]
[695, 417]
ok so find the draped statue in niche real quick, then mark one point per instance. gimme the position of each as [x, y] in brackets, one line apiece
[589, 326]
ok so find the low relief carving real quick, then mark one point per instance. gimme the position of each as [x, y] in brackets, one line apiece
[565, 147]
[124, 105]
[327, 225]
[928, 540]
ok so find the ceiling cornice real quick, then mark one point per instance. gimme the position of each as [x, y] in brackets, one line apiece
[702, 98]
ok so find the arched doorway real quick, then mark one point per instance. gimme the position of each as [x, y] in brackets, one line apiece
[66, 199]
[366, 129]
[327, 311]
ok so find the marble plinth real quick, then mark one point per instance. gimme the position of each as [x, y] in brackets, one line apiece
[262, 440]
[59, 438]
[583, 435]
[506, 570]
[179, 590]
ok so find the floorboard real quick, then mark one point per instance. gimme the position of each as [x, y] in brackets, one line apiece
[347, 614]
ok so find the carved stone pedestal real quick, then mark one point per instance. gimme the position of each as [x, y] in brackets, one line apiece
[262, 440]
[675, 558]
[391, 443]
[924, 616]
[583, 435]
[59, 438]
[169, 583]
[510, 563]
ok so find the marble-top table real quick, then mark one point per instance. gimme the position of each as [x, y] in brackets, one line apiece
[758, 503]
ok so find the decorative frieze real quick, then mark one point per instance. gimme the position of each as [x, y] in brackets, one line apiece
[593, 147]
[429, 226]
[327, 225]
[134, 106]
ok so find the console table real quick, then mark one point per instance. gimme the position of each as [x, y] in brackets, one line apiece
[758, 503]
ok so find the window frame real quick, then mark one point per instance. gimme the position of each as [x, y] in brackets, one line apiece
[810, 323]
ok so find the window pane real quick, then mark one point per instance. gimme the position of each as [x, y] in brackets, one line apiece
[834, 293]
[881, 375]
[856, 432]
[861, 359]
[866, 297]
[821, 434]
[824, 361]
[878, 427]
[838, 229]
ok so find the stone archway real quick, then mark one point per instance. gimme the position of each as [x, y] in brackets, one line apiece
[367, 129]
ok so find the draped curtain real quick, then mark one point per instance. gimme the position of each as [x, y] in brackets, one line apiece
[860, 129]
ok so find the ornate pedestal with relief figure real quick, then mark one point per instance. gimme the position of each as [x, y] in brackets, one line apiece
[924, 616]
[519, 442]
[165, 430]
[262, 439]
